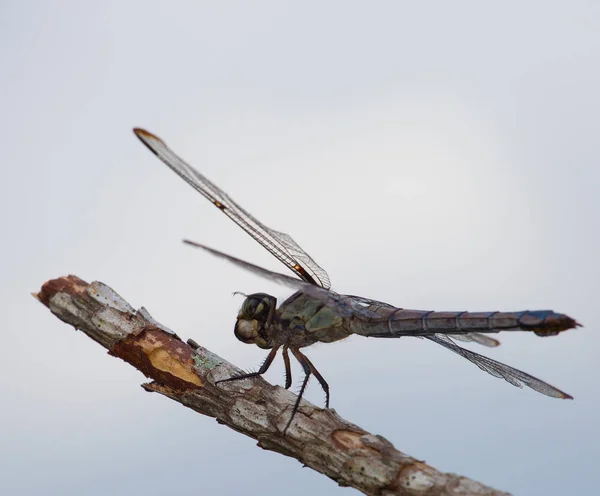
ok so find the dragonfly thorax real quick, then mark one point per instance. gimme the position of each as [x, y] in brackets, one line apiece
[254, 318]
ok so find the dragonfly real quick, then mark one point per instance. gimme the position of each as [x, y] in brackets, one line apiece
[315, 313]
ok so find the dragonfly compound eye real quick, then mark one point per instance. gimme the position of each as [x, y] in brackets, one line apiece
[257, 306]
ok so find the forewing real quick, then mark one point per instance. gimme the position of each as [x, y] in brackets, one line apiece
[279, 244]
[330, 298]
[497, 369]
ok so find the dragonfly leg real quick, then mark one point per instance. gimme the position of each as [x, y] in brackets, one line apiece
[305, 365]
[319, 377]
[288, 369]
[263, 368]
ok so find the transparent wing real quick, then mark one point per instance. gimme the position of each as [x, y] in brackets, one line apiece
[279, 244]
[342, 305]
[497, 369]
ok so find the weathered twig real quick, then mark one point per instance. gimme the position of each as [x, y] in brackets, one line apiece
[186, 372]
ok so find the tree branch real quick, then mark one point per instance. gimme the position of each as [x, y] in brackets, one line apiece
[186, 372]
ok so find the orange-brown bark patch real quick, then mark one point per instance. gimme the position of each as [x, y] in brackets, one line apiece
[69, 284]
[161, 357]
[350, 441]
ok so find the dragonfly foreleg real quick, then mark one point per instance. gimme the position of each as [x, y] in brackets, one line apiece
[263, 368]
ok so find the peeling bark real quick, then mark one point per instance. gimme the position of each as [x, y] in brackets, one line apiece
[186, 372]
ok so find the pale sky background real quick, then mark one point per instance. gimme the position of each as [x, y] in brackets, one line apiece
[435, 155]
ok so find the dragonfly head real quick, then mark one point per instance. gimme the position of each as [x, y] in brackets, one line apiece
[254, 318]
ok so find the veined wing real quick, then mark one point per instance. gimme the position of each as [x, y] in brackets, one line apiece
[342, 305]
[500, 370]
[279, 244]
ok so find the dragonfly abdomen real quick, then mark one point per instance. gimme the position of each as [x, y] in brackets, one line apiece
[400, 322]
